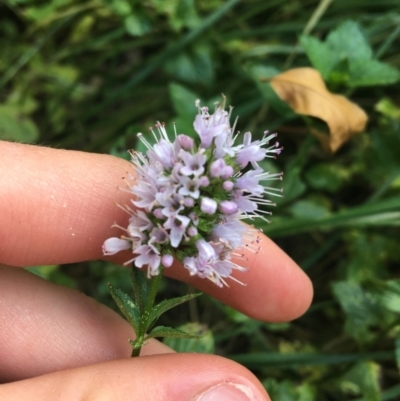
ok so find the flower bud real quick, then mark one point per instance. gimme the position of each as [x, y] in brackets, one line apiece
[167, 260]
[228, 207]
[186, 142]
[208, 205]
[192, 231]
[228, 186]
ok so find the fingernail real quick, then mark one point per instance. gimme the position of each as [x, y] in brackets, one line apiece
[229, 392]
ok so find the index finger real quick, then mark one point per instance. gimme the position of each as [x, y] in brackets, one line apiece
[58, 207]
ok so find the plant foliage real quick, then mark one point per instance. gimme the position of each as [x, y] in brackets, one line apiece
[89, 75]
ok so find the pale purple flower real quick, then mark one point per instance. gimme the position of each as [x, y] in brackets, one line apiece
[191, 197]
[251, 152]
[148, 255]
[210, 126]
[163, 152]
[177, 224]
[190, 187]
[217, 168]
[194, 164]
[172, 202]
[158, 235]
[231, 232]
[114, 245]
[249, 182]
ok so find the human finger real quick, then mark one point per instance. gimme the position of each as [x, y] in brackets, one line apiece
[61, 205]
[46, 328]
[168, 377]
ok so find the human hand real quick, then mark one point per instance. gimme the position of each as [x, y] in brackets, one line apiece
[57, 207]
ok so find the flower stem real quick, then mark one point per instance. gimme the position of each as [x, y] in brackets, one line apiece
[135, 352]
[153, 284]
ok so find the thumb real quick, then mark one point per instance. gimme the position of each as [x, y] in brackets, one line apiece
[168, 377]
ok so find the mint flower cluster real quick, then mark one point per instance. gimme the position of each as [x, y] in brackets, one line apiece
[191, 195]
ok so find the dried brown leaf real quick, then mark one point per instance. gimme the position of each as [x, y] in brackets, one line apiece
[304, 90]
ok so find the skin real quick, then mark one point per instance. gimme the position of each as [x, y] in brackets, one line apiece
[56, 343]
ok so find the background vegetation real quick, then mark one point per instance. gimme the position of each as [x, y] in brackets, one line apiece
[88, 75]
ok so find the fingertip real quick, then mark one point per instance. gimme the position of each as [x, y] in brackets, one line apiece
[168, 377]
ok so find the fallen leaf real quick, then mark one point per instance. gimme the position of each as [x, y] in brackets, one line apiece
[304, 90]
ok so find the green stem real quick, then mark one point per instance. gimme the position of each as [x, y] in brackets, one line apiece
[154, 284]
[136, 351]
[144, 319]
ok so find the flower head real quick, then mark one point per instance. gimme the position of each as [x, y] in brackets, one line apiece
[192, 196]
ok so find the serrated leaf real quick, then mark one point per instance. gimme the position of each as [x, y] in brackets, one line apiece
[361, 308]
[126, 306]
[348, 41]
[168, 304]
[162, 331]
[204, 345]
[372, 72]
[140, 288]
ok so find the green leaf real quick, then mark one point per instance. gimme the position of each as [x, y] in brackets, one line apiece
[346, 57]
[372, 72]
[308, 209]
[288, 391]
[162, 331]
[388, 108]
[204, 345]
[293, 186]
[181, 13]
[389, 293]
[185, 15]
[120, 7]
[327, 176]
[283, 391]
[194, 65]
[137, 24]
[127, 306]
[363, 378]
[168, 304]
[183, 100]
[321, 57]
[397, 348]
[361, 308]
[348, 41]
[15, 126]
[261, 74]
[140, 288]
